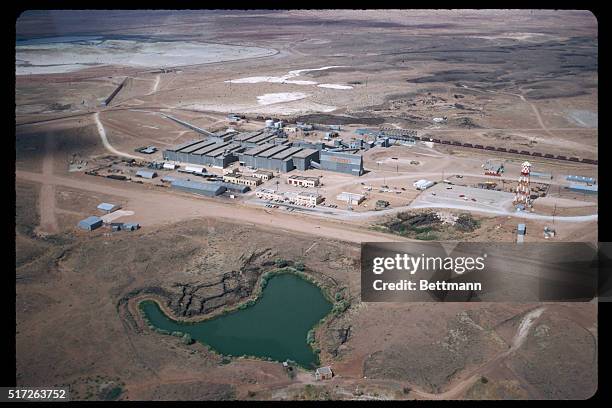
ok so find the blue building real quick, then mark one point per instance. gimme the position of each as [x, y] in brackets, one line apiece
[581, 179]
[90, 223]
[343, 162]
[579, 188]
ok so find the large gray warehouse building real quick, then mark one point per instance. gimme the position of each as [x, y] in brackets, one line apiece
[303, 158]
[207, 189]
[275, 157]
[218, 154]
[343, 162]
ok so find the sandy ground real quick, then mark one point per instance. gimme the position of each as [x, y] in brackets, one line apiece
[376, 69]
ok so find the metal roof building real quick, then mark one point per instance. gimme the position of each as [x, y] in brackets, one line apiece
[350, 198]
[206, 189]
[223, 136]
[579, 188]
[170, 153]
[130, 226]
[302, 159]
[107, 207]
[247, 158]
[236, 188]
[218, 154]
[343, 162]
[581, 179]
[90, 223]
[146, 174]
[283, 161]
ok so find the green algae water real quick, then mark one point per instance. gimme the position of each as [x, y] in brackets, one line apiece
[276, 326]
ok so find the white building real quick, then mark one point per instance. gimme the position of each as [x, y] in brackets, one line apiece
[350, 198]
[304, 198]
[195, 169]
[423, 184]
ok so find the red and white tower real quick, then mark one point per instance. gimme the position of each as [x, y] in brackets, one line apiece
[523, 191]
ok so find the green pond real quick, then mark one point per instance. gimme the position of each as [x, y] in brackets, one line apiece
[276, 326]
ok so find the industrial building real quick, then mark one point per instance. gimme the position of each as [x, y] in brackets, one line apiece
[90, 223]
[236, 188]
[303, 158]
[309, 145]
[585, 189]
[580, 179]
[342, 161]
[304, 198]
[547, 176]
[206, 189]
[263, 175]
[423, 184]
[302, 181]
[146, 174]
[108, 208]
[191, 169]
[205, 152]
[237, 178]
[223, 136]
[256, 138]
[273, 157]
[350, 198]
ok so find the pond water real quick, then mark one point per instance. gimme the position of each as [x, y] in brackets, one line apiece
[276, 326]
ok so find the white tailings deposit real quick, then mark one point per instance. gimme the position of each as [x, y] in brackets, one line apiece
[288, 79]
[72, 55]
[335, 86]
[270, 98]
[272, 105]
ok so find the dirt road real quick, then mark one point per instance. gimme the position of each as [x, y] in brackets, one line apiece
[48, 222]
[154, 207]
[459, 388]
[105, 141]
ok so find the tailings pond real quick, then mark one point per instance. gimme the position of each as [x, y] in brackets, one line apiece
[276, 326]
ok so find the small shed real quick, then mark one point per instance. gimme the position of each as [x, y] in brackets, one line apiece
[323, 373]
[108, 207]
[90, 223]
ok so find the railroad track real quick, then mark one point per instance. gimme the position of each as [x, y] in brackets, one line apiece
[511, 151]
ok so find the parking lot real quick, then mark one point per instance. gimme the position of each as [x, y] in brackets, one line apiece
[454, 196]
